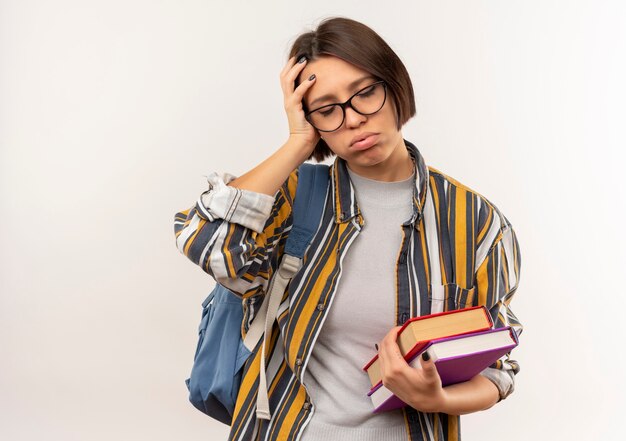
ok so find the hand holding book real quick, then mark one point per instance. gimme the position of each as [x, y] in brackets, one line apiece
[458, 345]
[418, 331]
[420, 388]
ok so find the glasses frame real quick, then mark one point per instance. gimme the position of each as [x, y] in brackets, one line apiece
[348, 102]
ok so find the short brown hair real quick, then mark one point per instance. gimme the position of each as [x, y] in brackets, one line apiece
[359, 45]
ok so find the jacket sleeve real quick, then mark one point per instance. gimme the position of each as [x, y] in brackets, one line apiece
[237, 236]
[497, 278]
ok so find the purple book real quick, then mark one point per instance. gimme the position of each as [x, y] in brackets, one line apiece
[457, 359]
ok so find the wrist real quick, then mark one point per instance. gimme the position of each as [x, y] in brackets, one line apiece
[473, 395]
[444, 404]
[301, 146]
[439, 402]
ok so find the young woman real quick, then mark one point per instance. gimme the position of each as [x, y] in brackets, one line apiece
[397, 239]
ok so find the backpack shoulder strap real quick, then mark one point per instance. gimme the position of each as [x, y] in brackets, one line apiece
[307, 212]
[308, 206]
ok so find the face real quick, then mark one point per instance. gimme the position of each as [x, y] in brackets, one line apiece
[385, 156]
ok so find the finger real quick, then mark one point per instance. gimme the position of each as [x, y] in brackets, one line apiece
[389, 344]
[283, 73]
[389, 350]
[303, 87]
[392, 359]
[287, 80]
[428, 365]
[292, 74]
[288, 65]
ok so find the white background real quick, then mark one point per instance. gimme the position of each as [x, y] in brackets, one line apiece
[111, 113]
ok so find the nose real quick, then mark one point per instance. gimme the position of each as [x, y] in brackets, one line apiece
[354, 118]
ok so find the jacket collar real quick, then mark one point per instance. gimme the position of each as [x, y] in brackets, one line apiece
[344, 199]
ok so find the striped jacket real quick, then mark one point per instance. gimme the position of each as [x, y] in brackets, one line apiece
[458, 250]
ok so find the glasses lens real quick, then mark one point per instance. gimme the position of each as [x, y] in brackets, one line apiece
[370, 99]
[327, 118]
[367, 101]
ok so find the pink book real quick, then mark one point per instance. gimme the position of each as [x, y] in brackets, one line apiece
[457, 359]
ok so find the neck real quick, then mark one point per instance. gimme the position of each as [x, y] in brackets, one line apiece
[397, 167]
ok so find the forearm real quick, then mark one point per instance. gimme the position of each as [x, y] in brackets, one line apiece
[268, 176]
[473, 395]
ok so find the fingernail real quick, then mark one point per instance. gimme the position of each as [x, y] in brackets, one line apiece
[312, 77]
[302, 59]
[376, 346]
[425, 356]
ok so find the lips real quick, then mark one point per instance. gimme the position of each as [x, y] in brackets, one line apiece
[361, 137]
[364, 142]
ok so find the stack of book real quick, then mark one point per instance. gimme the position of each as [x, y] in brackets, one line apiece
[462, 343]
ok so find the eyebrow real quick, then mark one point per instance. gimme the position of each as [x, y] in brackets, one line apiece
[350, 86]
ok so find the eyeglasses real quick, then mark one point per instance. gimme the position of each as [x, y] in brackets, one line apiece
[366, 101]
